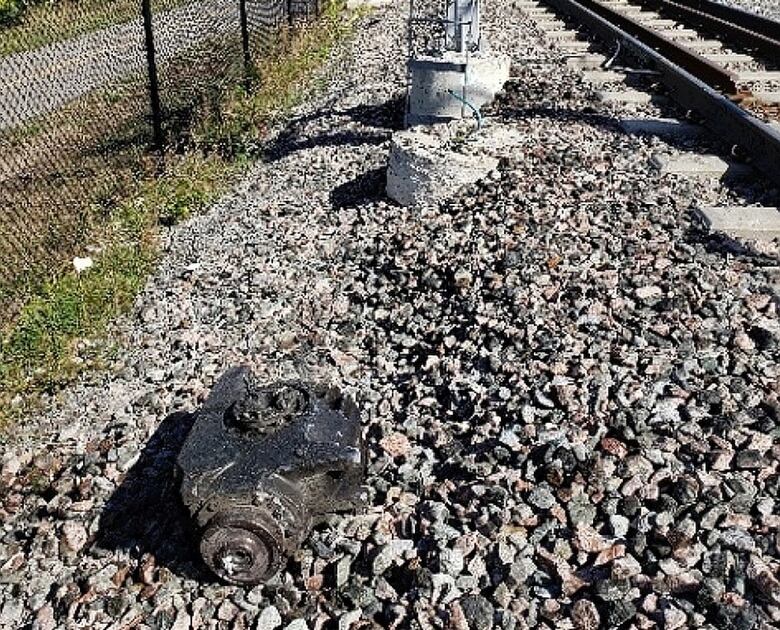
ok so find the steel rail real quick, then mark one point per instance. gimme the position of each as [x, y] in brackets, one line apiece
[712, 74]
[732, 25]
[725, 119]
[749, 21]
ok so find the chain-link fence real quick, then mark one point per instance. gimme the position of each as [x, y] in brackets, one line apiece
[90, 93]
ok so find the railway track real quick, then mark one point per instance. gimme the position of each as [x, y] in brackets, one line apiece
[716, 61]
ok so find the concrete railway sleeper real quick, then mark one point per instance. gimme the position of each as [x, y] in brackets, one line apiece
[762, 35]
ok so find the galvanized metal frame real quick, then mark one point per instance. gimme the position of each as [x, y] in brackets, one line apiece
[441, 21]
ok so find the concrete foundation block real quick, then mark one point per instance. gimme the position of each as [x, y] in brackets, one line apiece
[485, 77]
[429, 164]
[477, 78]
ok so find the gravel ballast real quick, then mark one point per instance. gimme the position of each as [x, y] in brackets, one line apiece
[768, 8]
[570, 395]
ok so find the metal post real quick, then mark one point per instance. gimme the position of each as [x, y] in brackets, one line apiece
[245, 45]
[458, 29]
[290, 12]
[154, 86]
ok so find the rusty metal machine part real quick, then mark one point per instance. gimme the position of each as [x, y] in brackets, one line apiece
[262, 464]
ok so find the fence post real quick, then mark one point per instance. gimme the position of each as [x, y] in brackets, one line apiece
[290, 12]
[245, 45]
[154, 87]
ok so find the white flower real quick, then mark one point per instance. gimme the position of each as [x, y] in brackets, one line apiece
[82, 264]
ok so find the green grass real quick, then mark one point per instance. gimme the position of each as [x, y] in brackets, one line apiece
[63, 327]
[10, 10]
[39, 351]
[243, 120]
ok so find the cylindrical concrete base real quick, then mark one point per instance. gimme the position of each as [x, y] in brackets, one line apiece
[475, 78]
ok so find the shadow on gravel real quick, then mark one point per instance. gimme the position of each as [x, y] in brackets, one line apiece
[338, 139]
[384, 118]
[364, 189]
[145, 514]
[722, 244]
[388, 115]
[727, 246]
[592, 118]
[587, 117]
